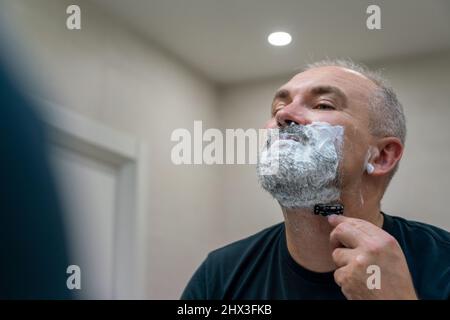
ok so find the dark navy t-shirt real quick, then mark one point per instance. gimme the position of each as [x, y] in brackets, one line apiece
[260, 267]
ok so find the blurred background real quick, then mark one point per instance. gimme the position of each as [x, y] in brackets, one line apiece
[112, 93]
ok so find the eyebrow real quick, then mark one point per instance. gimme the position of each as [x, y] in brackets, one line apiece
[281, 94]
[321, 90]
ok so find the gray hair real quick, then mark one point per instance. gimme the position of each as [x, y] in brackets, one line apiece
[387, 118]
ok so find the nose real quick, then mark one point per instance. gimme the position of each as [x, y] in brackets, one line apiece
[292, 114]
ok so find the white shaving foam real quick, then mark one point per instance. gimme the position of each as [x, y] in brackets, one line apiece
[308, 161]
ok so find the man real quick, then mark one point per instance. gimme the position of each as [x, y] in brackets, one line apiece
[341, 137]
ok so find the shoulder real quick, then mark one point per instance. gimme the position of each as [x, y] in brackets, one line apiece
[427, 251]
[226, 264]
[409, 230]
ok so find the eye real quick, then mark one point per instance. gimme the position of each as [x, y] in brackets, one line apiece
[325, 106]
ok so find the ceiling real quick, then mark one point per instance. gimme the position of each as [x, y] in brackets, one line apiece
[225, 40]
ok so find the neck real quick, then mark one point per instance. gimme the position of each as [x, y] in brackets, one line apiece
[308, 235]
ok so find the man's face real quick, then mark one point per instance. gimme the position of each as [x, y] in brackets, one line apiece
[336, 96]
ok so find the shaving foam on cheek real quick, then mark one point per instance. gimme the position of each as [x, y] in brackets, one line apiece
[307, 165]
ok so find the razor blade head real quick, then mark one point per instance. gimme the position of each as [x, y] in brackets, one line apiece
[328, 209]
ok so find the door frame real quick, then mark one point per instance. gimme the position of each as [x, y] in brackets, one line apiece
[77, 132]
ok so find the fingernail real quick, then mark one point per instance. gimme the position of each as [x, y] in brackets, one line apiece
[331, 217]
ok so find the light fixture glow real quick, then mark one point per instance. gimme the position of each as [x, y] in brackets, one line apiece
[279, 38]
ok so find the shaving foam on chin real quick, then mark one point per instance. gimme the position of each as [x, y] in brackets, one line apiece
[308, 165]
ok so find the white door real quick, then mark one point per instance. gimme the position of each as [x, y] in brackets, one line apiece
[101, 178]
[88, 188]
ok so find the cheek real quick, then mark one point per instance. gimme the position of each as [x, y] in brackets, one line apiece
[354, 151]
[326, 117]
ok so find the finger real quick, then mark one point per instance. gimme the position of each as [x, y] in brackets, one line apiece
[365, 226]
[347, 235]
[342, 256]
[340, 275]
[335, 219]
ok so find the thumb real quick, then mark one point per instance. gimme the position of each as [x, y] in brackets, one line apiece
[335, 219]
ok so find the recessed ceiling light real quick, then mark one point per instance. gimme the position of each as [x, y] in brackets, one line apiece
[279, 38]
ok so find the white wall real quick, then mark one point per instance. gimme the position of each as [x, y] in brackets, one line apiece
[117, 78]
[420, 189]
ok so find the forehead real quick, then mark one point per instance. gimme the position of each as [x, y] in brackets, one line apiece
[356, 87]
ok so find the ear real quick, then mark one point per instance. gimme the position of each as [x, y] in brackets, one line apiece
[389, 153]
